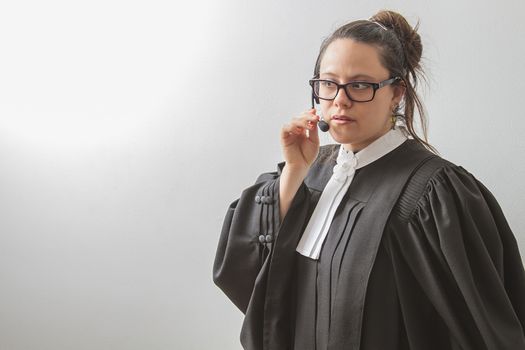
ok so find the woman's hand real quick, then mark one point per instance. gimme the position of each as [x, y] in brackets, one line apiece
[300, 141]
[300, 144]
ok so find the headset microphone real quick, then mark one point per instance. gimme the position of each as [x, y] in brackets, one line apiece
[323, 126]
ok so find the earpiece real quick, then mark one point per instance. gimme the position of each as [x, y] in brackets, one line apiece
[323, 126]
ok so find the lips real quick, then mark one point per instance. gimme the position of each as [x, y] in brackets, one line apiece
[343, 118]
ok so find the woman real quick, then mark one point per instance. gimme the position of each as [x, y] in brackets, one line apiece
[374, 242]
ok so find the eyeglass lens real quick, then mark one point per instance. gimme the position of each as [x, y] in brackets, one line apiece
[357, 91]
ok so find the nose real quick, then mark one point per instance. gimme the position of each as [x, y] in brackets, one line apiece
[342, 99]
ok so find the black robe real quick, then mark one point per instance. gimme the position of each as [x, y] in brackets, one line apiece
[419, 256]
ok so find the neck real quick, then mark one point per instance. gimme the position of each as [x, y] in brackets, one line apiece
[356, 147]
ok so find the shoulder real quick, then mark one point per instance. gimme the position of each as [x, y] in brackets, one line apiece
[439, 180]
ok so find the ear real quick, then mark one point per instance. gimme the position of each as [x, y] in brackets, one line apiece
[399, 92]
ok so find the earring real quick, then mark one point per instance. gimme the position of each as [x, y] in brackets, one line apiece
[393, 118]
[397, 118]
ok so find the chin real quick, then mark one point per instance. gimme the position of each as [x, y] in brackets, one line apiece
[344, 139]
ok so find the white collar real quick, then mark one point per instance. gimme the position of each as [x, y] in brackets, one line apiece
[347, 163]
[378, 148]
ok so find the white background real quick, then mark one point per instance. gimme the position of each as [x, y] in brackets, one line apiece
[127, 127]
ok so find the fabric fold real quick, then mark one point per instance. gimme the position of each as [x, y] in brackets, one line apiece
[343, 173]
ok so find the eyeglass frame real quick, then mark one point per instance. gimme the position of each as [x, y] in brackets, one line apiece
[375, 87]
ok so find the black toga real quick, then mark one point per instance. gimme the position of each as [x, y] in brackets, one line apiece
[418, 256]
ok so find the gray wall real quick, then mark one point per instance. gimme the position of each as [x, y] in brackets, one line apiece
[126, 128]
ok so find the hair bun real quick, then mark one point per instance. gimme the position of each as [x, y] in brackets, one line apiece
[408, 36]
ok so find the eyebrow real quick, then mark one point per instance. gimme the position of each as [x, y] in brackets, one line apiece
[357, 76]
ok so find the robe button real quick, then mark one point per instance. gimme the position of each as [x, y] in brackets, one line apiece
[262, 239]
[268, 238]
[258, 199]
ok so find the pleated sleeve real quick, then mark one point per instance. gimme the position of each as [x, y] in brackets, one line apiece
[255, 260]
[458, 267]
[248, 237]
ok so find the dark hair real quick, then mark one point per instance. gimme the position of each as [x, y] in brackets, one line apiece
[400, 52]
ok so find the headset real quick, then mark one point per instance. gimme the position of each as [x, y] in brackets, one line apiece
[323, 126]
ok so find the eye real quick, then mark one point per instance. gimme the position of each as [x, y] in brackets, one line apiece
[327, 84]
[359, 86]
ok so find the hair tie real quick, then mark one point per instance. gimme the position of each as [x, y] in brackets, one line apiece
[379, 24]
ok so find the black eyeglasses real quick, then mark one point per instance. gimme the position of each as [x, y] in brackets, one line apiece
[357, 91]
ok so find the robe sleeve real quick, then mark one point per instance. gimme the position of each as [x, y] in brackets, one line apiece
[247, 239]
[463, 257]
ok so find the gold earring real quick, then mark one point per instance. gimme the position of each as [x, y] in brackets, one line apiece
[393, 118]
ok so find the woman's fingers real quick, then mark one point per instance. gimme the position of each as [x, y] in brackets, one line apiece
[300, 139]
[314, 132]
[306, 121]
[302, 127]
